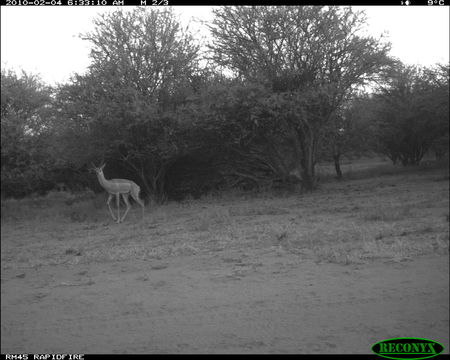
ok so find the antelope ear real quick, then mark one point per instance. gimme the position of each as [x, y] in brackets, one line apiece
[101, 167]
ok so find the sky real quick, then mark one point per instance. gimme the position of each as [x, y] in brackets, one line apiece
[45, 40]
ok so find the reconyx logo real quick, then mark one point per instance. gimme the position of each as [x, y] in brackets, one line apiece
[407, 348]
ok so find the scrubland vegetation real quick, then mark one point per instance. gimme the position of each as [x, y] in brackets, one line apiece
[381, 211]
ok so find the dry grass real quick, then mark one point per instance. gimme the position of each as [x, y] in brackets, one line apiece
[391, 215]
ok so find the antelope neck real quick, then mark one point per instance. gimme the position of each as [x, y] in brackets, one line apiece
[102, 180]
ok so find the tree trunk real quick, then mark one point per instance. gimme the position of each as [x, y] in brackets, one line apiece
[159, 181]
[439, 154]
[337, 165]
[146, 185]
[309, 181]
[158, 196]
[306, 151]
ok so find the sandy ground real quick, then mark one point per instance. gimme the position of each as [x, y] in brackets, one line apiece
[238, 302]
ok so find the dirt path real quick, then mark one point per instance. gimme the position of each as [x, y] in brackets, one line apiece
[255, 301]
